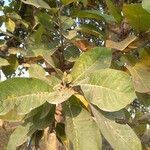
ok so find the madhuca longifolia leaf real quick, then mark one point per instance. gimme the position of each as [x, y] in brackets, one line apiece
[81, 129]
[109, 89]
[121, 137]
[94, 59]
[37, 3]
[19, 136]
[146, 5]
[32, 94]
[137, 17]
[140, 71]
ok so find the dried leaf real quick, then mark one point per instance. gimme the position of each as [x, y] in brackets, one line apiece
[121, 45]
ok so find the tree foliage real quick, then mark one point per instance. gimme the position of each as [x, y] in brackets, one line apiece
[90, 58]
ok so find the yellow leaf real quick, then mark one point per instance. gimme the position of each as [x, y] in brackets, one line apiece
[82, 99]
[10, 25]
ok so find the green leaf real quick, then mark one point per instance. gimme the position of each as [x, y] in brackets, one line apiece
[44, 118]
[13, 15]
[60, 95]
[146, 5]
[12, 116]
[114, 10]
[90, 29]
[3, 62]
[121, 137]
[138, 18]
[38, 34]
[19, 136]
[109, 89]
[94, 14]
[67, 2]
[85, 2]
[71, 53]
[94, 59]
[60, 133]
[42, 50]
[43, 109]
[80, 127]
[67, 22]
[11, 68]
[144, 98]
[46, 21]
[37, 71]
[23, 94]
[37, 3]
[140, 73]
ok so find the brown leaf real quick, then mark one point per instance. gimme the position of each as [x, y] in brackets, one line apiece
[139, 42]
[121, 45]
[82, 44]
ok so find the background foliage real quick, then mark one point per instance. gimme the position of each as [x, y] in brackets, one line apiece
[77, 72]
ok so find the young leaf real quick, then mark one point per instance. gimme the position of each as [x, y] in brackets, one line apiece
[121, 137]
[81, 129]
[137, 17]
[94, 59]
[19, 136]
[37, 3]
[31, 94]
[146, 5]
[109, 89]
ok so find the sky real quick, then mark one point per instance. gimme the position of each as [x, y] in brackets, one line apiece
[7, 2]
[3, 28]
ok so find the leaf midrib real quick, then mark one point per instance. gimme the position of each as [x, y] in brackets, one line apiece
[26, 95]
[99, 86]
